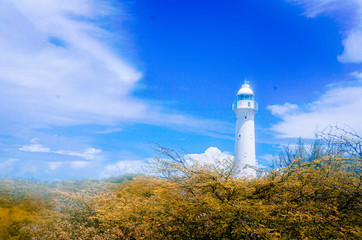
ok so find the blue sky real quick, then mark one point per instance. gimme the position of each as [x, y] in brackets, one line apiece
[87, 86]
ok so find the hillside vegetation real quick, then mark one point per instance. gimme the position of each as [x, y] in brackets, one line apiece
[313, 193]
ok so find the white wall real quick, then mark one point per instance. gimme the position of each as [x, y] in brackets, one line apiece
[245, 138]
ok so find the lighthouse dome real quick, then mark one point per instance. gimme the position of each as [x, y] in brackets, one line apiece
[245, 89]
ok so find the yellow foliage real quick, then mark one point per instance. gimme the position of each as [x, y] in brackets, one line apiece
[12, 219]
[307, 199]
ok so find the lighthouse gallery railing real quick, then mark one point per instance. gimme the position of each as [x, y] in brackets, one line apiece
[245, 104]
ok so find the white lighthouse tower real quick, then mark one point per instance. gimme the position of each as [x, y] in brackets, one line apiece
[245, 109]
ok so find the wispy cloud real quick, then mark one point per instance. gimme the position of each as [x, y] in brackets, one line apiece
[350, 14]
[57, 67]
[34, 148]
[280, 110]
[338, 105]
[268, 158]
[73, 164]
[78, 164]
[123, 167]
[357, 75]
[110, 130]
[80, 81]
[54, 165]
[7, 165]
[89, 153]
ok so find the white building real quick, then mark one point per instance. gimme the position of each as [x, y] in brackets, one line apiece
[245, 109]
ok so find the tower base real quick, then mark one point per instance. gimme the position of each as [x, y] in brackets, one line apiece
[247, 171]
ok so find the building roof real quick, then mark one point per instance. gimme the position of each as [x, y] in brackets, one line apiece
[245, 89]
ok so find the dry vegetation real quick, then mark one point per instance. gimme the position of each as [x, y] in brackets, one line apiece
[314, 193]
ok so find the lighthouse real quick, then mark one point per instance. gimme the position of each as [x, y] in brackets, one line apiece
[245, 109]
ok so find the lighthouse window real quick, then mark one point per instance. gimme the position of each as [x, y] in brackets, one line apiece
[245, 117]
[245, 97]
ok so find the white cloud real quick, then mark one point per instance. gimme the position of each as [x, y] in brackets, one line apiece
[89, 153]
[35, 148]
[78, 164]
[58, 67]
[268, 158]
[73, 164]
[316, 7]
[54, 165]
[339, 105]
[350, 12]
[7, 165]
[215, 157]
[81, 82]
[34, 140]
[110, 130]
[352, 47]
[357, 75]
[280, 110]
[212, 155]
[123, 167]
